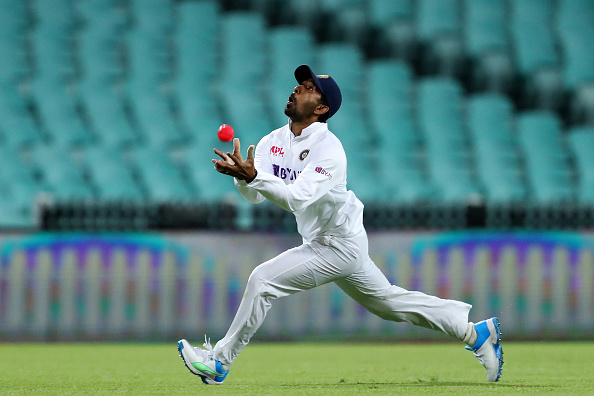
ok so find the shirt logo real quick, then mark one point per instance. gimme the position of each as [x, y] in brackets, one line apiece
[285, 173]
[324, 172]
[277, 151]
[303, 154]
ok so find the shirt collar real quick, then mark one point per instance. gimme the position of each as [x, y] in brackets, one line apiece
[314, 127]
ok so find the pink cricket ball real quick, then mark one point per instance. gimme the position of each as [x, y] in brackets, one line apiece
[225, 133]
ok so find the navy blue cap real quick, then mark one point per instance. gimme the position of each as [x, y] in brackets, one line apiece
[326, 85]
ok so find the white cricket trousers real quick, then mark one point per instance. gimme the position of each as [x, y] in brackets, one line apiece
[346, 262]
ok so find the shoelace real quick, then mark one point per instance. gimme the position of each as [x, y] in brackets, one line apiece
[207, 345]
[208, 352]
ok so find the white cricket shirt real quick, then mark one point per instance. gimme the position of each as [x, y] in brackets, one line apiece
[306, 175]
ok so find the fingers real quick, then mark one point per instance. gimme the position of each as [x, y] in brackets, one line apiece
[224, 156]
[250, 152]
[237, 149]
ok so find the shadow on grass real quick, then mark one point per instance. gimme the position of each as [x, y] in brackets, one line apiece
[426, 383]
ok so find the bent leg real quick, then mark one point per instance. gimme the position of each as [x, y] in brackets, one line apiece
[297, 269]
[370, 288]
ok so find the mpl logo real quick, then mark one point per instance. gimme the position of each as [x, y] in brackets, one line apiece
[277, 151]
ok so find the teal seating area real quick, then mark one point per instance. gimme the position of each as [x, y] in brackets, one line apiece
[581, 143]
[546, 157]
[497, 156]
[445, 102]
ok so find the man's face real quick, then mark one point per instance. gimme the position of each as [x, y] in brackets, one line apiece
[303, 101]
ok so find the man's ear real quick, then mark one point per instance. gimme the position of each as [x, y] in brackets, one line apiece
[321, 109]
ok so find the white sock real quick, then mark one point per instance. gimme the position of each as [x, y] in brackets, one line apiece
[470, 336]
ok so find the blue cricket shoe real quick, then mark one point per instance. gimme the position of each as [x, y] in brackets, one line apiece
[487, 348]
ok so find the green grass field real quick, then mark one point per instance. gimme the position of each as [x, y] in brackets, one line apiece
[296, 369]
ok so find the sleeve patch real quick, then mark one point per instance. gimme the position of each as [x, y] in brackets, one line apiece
[324, 172]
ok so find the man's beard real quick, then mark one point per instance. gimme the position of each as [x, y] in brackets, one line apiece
[293, 112]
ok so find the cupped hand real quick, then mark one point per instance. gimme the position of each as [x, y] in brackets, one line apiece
[234, 165]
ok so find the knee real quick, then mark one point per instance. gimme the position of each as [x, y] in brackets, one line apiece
[258, 279]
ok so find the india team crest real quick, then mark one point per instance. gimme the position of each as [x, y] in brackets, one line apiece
[303, 154]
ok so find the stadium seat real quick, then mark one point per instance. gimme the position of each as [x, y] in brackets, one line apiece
[581, 143]
[155, 15]
[53, 57]
[56, 13]
[61, 173]
[490, 123]
[102, 71]
[17, 126]
[305, 13]
[107, 118]
[246, 110]
[150, 70]
[344, 62]
[576, 34]
[389, 97]
[16, 7]
[393, 33]
[111, 174]
[58, 112]
[243, 42]
[196, 40]
[289, 47]
[582, 105]
[19, 181]
[149, 56]
[485, 34]
[537, 58]
[382, 13]
[153, 113]
[389, 87]
[439, 106]
[15, 67]
[439, 29]
[11, 217]
[159, 176]
[243, 71]
[98, 54]
[349, 123]
[53, 38]
[14, 20]
[12, 211]
[346, 21]
[546, 157]
[209, 185]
